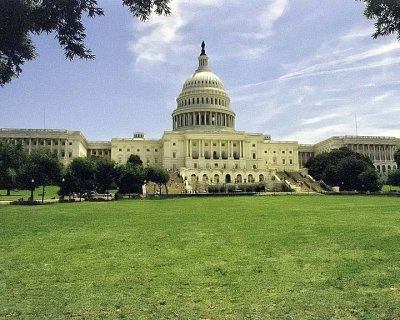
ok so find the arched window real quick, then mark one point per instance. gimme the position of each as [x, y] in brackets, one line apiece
[216, 178]
[261, 178]
[250, 178]
[239, 178]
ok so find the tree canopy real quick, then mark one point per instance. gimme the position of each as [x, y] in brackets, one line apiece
[387, 16]
[159, 176]
[19, 19]
[41, 168]
[344, 168]
[397, 157]
[11, 158]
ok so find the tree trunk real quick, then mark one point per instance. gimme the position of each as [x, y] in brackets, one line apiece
[8, 192]
[42, 194]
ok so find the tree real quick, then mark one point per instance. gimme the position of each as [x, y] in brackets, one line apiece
[394, 178]
[345, 168]
[387, 16]
[19, 19]
[104, 172]
[130, 178]
[79, 177]
[397, 157]
[11, 158]
[42, 168]
[135, 160]
[158, 176]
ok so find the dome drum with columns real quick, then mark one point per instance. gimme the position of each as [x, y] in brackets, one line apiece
[203, 103]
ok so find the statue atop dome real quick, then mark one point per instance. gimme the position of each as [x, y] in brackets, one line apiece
[203, 49]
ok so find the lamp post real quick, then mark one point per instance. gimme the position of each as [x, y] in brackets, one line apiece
[62, 188]
[32, 188]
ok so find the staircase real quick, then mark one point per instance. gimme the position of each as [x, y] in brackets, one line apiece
[303, 183]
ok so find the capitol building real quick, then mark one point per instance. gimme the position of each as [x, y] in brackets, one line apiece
[203, 144]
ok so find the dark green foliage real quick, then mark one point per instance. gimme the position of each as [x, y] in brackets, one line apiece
[397, 157]
[394, 178]
[11, 158]
[387, 16]
[41, 168]
[344, 168]
[104, 172]
[88, 175]
[79, 177]
[19, 19]
[135, 160]
[159, 176]
[130, 178]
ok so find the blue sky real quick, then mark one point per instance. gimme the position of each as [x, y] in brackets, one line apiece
[297, 70]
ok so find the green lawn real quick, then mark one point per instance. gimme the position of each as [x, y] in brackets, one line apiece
[282, 257]
[49, 193]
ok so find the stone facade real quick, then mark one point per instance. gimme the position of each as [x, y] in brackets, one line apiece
[203, 144]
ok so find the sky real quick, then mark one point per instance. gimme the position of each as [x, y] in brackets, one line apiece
[296, 70]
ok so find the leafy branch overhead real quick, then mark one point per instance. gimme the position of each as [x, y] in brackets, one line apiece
[19, 19]
[387, 16]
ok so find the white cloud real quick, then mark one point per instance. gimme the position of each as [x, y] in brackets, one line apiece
[271, 13]
[314, 120]
[162, 36]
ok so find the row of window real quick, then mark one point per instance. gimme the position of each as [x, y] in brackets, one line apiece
[137, 150]
[193, 101]
[275, 161]
[34, 142]
[198, 82]
[223, 166]
[238, 179]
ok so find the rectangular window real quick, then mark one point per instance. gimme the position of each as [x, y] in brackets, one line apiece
[283, 161]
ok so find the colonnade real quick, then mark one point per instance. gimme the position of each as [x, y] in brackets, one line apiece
[224, 149]
[376, 152]
[58, 145]
[207, 118]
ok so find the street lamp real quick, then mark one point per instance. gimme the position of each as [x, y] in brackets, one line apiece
[32, 188]
[62, 189]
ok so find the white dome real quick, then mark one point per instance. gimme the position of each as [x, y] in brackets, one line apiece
[203, 102]
[203, 79]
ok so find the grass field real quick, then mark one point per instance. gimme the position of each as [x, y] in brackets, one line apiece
[283, 257]
[50, 192]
